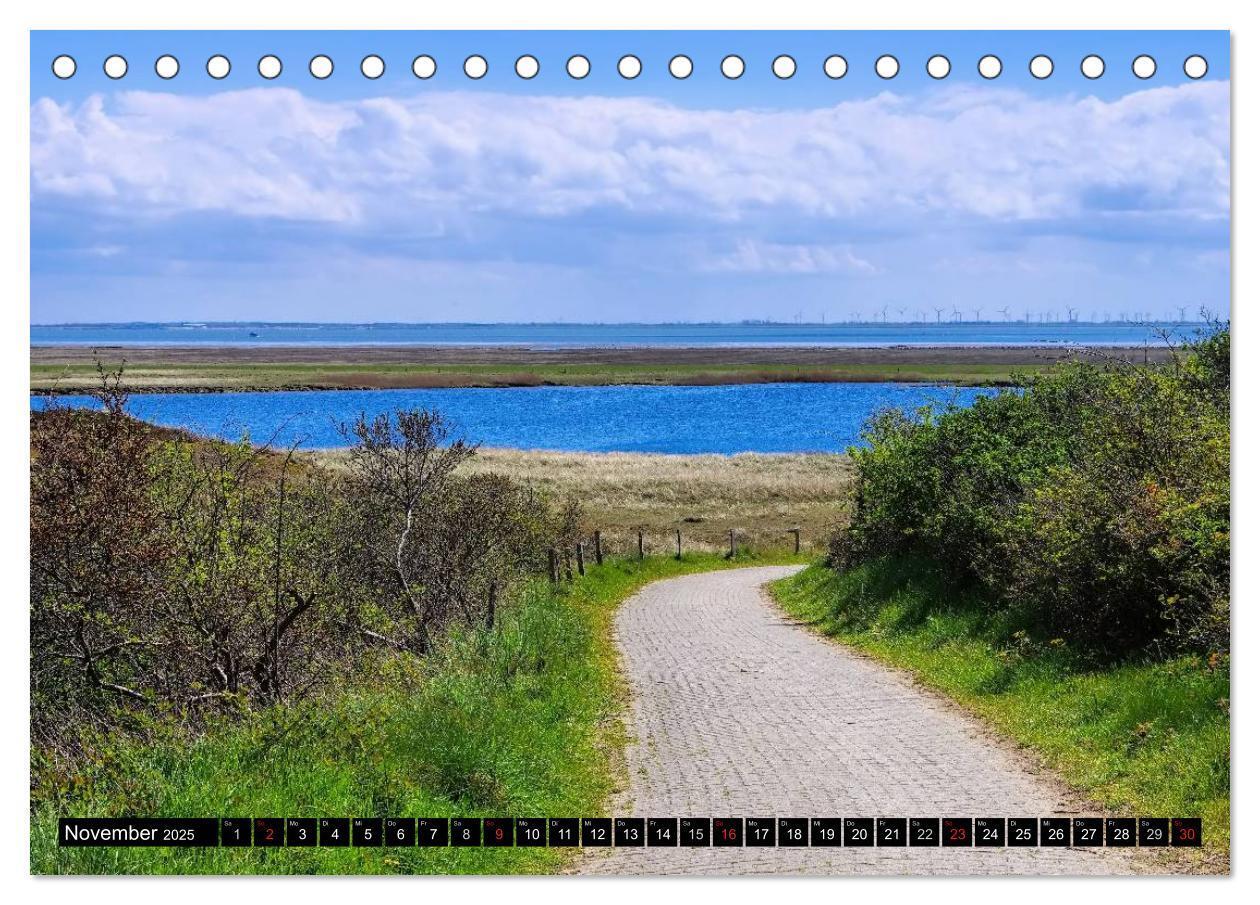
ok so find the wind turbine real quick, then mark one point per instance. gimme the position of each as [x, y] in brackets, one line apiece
[901, 315]
[939, 312]
[884, 311]
[1071, 313]
[977, 310]
[957, 315]
[1181, 313]
[1005, 312]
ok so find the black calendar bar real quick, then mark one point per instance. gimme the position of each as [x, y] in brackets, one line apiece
[635, 832]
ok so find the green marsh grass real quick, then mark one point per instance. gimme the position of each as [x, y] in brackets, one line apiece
[144, 377]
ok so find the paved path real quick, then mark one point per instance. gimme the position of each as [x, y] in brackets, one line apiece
[739, 711]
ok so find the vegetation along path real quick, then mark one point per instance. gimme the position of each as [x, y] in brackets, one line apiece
[739, 711]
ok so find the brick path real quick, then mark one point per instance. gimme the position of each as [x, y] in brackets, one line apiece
[738, 711]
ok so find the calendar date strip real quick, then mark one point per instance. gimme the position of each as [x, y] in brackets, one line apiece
[633, 832]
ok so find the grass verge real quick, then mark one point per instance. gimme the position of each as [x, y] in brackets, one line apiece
[523, 720]
[1141, 738]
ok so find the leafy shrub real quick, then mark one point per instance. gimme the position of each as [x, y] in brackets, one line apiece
[176, 579]
[1093, 500]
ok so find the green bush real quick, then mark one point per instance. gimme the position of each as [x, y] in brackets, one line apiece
[1091, 501]
[179, 580]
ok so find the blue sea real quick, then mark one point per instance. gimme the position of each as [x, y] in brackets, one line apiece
[608, 335]
[768, 418]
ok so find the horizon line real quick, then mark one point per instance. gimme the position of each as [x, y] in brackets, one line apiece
[745, 322]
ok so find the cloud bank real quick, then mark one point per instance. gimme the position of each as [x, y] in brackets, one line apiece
[592, 182]
[988, 154]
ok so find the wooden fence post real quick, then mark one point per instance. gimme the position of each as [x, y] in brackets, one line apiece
[599, 550]
[581, 560]
[732, 554]
[678, 535]
[797, 534]
[640, 545]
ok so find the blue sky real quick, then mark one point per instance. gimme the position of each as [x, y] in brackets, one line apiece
[606, 199]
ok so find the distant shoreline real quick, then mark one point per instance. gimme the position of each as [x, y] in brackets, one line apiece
[58, 369]
[539, 336]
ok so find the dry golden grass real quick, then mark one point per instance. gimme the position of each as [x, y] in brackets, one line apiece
[760, 496]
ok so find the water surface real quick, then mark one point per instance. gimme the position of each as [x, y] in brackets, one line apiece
[770, 417]
[1003, 333]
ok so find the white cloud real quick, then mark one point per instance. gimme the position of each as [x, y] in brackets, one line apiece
[253, 153]
[412, 165]
[751, 256]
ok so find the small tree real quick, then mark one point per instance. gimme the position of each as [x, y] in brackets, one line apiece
[487, 531]
[400, 466]
[97, 554]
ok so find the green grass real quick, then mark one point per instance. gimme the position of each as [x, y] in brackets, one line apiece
[520, 721]
[143, 376]
[1143, 739]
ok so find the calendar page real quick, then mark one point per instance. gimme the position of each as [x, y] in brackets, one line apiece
[630, 453]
